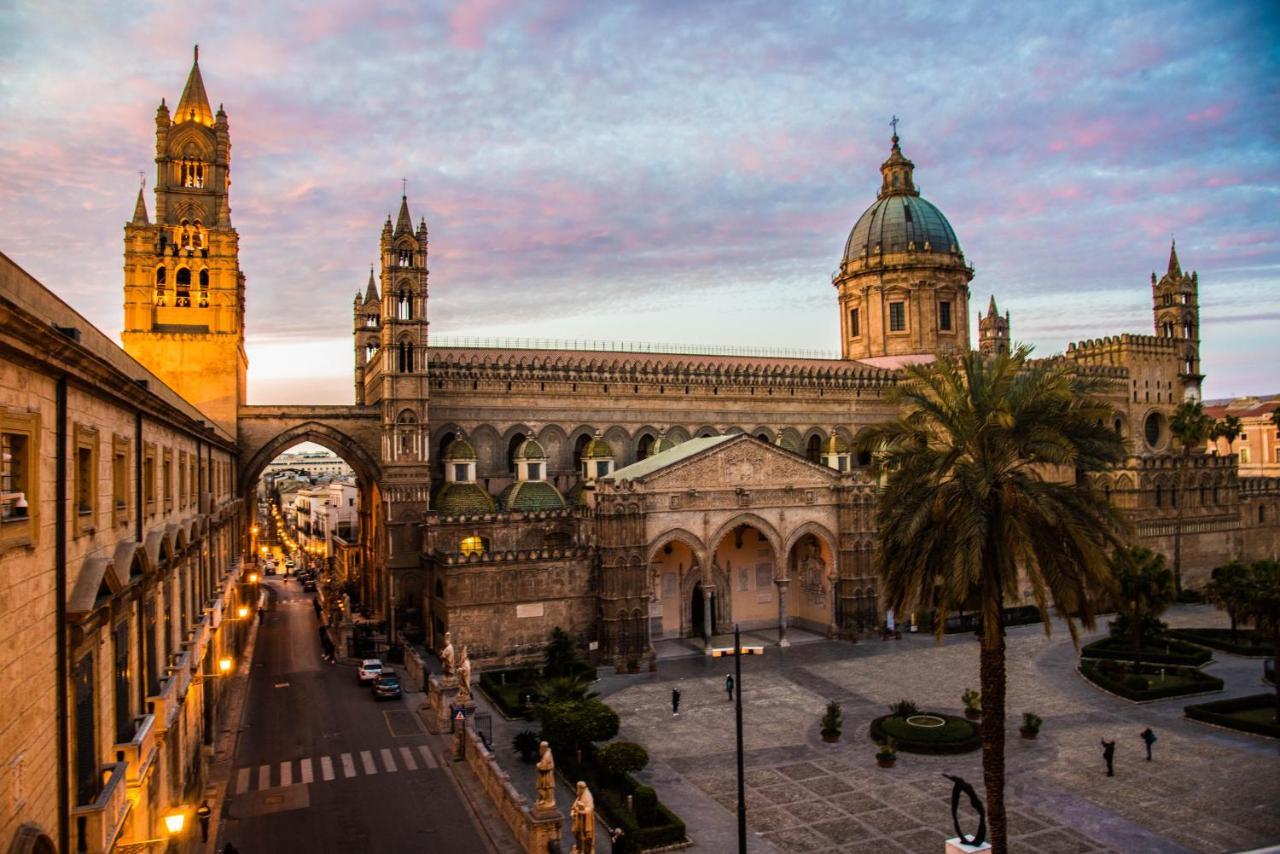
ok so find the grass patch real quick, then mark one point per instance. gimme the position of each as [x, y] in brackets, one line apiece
[1255, 713]
[508, 688]
[1162, 651]
[957, 735]
[1148, 682]
[1246, 642]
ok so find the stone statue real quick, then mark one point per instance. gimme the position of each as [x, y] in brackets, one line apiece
[446, 654]
[546, 778]
[464, 678]
[583, 817]
[959, 787]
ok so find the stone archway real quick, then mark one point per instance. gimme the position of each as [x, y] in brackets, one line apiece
[744, 569]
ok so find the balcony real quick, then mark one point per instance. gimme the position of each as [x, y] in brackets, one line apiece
[138, 752]
[95, 827]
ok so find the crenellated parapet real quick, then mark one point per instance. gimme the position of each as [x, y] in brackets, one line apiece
[494, 364]
[1112, 346]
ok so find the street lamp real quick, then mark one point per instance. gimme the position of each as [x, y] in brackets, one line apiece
[174, 821]
[225, 664]
[253, 578]
[242, 611]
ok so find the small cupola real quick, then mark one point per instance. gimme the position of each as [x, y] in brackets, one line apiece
[460, 460]
[597, 458]
[897, 172]
[531, 460]
[835, 453]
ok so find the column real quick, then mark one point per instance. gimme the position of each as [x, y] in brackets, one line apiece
[708, 628]
[782, 611]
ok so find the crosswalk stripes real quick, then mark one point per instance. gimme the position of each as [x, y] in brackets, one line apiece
[406, 756]
[286, 774]
[366, 759]
[326, 768]
[388, 760]
[427, 757]
[264, 777]
[305, 770]
[242, 779]
[348, 765]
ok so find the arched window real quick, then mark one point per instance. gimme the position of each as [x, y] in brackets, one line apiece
[407, 423]
[404, 306]
[182, 288]
[204, 288]
[514, 445]
[160, 286]
[370, 350]
[579, 446]
[197, 235]
[405, 257]
[645, 448]
[813, 450]
[1159, 495]
[405, 358]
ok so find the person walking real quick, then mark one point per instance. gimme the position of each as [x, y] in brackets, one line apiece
[728, 686]
[1109, 756]
[1148, 738]
[203, 813]
[675, 702]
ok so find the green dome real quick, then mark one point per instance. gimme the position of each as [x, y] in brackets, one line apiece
[835, 445]
[597, 449]
[785, 441]
[530, 495]
[463, 499]
[662, 443]
[530, 450]
[460, 451]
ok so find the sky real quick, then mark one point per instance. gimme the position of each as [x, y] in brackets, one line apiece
[680, 171]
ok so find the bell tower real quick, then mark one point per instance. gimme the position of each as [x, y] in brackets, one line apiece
[183, 288]
[1175, 302]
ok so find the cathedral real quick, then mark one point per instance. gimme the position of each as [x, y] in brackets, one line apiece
[624, 496]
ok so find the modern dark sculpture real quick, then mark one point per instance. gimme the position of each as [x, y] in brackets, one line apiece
[959, 787]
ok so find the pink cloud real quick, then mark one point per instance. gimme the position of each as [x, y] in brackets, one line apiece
[471, 20]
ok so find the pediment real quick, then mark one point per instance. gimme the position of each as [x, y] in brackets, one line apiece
[744, 462]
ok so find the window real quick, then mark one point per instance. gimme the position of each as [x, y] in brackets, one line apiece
[897, 317]
[182, 288]
[86, 478]
[149, 477]
[1244, 456]
[460, 472]
[944, 316]
[602, 468]
[1168, 299]
[405, 357]
[19, 482]
[182, 478]
[86, 751]
[124, 714]
[404, 306]
[535, 471]
[120, 480]
[854, 329]
[472, 545]
[204, 288]
[1153, 429]
[160, 286]
[167, 481]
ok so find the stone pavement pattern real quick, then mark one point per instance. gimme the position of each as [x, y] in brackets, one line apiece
[1208, 790]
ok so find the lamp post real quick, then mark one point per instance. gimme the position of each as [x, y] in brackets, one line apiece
[742, 794]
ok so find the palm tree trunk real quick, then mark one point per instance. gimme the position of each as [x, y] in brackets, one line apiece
[991, 668]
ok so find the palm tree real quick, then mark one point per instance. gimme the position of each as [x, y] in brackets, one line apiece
[1227, 590]
[1191, 427]
[1262, 605]
[1144, 589]
[1230, 428]
[979, 494]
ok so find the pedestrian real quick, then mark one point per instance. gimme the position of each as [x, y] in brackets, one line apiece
[1148, 738]
[728, 686]
[675, 702]
[203, 812]
[617, 845]
[230, 849]
[1109, 756]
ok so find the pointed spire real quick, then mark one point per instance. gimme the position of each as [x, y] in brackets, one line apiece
[1174, 268]
[194, 104]
[140, 209]
[371, 292]
[992, 311]
[404, 222]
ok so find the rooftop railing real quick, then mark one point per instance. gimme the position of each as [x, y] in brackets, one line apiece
[606, 346]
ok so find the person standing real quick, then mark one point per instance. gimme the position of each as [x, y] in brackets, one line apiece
[203, 813]
[1109, 756]
[728, 686]
[675, 702]
[1148, 738]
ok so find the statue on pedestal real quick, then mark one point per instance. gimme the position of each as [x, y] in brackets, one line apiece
[546, 778]
[464, 678]
[446, 655]
[583, 816]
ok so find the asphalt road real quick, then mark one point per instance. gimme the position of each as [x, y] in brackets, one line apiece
[323, 767]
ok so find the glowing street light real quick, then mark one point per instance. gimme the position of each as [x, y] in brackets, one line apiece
[253, 578]
[242, 611]
[225, 664]
[174, 821]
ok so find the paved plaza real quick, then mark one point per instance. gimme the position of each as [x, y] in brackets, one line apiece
[1207, 790]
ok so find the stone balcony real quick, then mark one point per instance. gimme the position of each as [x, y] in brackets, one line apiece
[138, 752]
[96, 827]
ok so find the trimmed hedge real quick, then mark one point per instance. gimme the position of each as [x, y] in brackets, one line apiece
[1248, 641]
[1124, 681]
[652, 825]
[507, 688]
[1226, 713]
[958, 735]
[1121, 649]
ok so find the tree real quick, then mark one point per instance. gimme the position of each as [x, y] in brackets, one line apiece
[561, 656]
[1143, 591]
[575, 724]
[1262, 605]
[1229, 428]
[565, 689]
[1191, 427]
[987, 480]
[1227, 589]
[620, 758]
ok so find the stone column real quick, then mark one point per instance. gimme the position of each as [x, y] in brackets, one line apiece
[782, 611]
[708, 628]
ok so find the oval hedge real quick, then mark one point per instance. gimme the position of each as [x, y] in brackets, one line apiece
[958, 735]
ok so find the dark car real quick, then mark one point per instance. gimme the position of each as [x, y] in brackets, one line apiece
[386, 685]
[309, 586]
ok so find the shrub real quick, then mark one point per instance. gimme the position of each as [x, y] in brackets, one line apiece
[832, 720]
[645, 800]
[561, 655]
[971, 699]
[1177, 681]
[1254, 713]
[526, 743]
[621, 758]
[1136, 683]
[574, 724]
[886, 748]
[904, 709]
[956, 735]
[1031, 721]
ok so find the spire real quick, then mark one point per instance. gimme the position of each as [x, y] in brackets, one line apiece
[1174, 268]
[371, 292]
[992, 311]
[140, 211]
[194, 104]
[404, 222]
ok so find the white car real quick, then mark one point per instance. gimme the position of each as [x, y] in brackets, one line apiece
[368, 670]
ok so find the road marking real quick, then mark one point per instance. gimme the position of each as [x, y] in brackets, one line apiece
[426, 756]
[264, 776]
[282, 684]
[348, 765]
[366, 759]
[326, 768]
[286, 774]
[242, 780]
[407, 757]
[388, 761]
[305, 770]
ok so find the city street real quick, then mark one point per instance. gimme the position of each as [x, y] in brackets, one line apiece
[321, 766]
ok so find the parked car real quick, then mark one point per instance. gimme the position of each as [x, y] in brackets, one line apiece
[309, 586]
[269, 570]
[369, 670]
[288, 564]
[386, 685]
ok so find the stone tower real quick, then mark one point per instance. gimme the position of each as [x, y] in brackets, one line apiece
[183, 289]
[1175, 302]
[903, 283]
[366, 325]
[993, 331]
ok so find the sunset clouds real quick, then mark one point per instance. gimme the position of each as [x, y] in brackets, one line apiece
[665, 170]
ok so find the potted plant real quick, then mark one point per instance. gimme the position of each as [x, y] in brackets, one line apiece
[886, 752]
[526, 744]
[832, 723]
[904, 709]
[972, 704]
[1030, 725]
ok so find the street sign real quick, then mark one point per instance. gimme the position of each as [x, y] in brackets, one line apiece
[718, 651]
[459, 714]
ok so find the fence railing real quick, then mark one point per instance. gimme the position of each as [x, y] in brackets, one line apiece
[602, 345]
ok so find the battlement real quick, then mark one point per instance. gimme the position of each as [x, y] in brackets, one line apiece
[1126, 342]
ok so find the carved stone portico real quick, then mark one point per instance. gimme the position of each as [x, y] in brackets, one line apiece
[730, 529]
